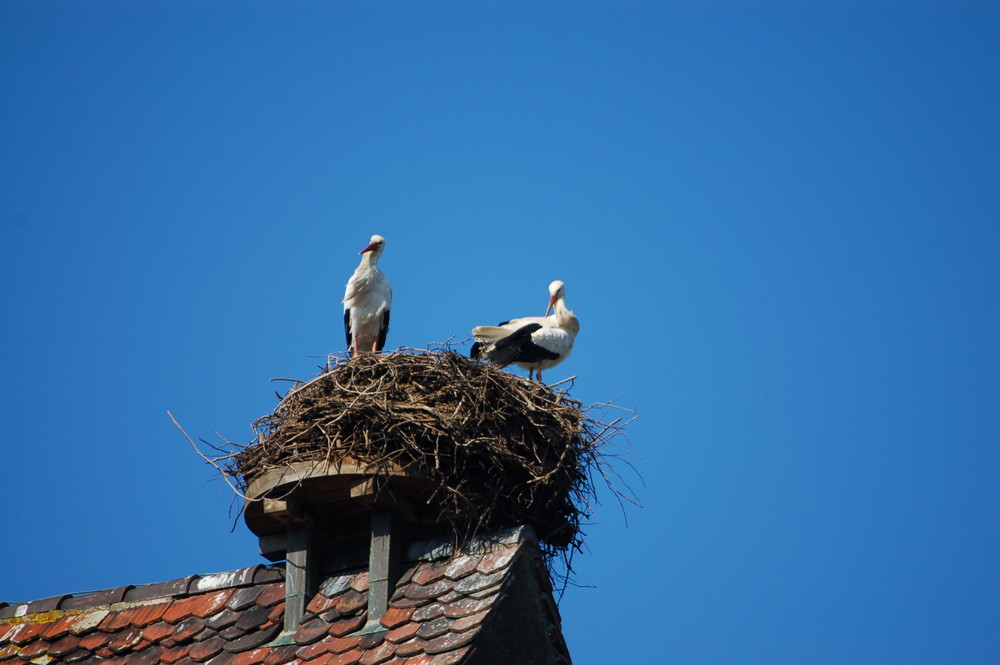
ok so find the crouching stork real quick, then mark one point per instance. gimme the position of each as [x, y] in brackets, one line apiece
[534, 343]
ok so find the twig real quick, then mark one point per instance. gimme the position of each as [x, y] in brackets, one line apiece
[225, 476]
[559, 383]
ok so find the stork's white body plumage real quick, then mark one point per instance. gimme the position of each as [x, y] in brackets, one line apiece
[367, 301]
[534, 343]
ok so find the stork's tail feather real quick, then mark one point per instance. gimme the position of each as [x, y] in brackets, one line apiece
[486, 336]
[484, 333]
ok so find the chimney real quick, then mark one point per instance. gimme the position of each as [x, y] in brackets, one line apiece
[307, 511]
[384, 450]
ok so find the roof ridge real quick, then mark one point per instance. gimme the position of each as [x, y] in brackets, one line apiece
[134, 595]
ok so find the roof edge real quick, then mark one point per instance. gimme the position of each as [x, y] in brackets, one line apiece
[75, 603]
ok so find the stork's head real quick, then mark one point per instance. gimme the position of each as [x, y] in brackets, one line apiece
[557, 291]
[376, 246]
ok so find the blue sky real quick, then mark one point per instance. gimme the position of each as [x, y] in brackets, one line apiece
[778, 222]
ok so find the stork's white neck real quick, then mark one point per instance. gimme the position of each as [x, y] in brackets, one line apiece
[564, 316]
[368, 260]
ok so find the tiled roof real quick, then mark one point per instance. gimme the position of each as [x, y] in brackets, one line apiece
[477, 605]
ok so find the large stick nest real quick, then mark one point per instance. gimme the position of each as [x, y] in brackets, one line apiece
[499, 450]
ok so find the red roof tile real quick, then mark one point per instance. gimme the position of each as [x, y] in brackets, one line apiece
[461, 566]
[418, 660]
[213, 602]
[341, 644]
[450, 658]
[430, 592]
[145, 657]
[371, 640]
[93, 641]
[396, 616]
[359, 582]
[244, 598]
[158, 631]
[311, 631]
[312, 651]
[148, 614]
[434, 628]
[351, 601]
[321, 603]
[271, 595]
[173, 655]
[428, 574]
[64, 646]
[428, 612]
[222, 619]
[346, 658]
[253, 618]
[253, 640]
[206, 649]
[468, 622]
[322, 659]
[411, 647]
[403, 633]
[28, 632]
[441, 608]
[279, 655]
[465, 606]
[346, 626]
[251, 657]
[186, 630]
[495, 560]
[56, 629]
[87, 623]
[34, 650]
[378, 654]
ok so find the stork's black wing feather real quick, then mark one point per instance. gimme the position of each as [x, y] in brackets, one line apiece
[347, 328]
[383, 330]
[518, 347]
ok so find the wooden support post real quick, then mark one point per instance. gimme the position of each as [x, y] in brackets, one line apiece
[300, 574]
[383, 567]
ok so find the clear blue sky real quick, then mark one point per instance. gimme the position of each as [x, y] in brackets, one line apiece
[778, 222]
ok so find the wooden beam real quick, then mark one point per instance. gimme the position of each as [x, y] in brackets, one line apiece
[300, 574]
[383, 565]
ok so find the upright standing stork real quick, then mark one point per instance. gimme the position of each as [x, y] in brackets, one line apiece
[533, 343]
[366, 302]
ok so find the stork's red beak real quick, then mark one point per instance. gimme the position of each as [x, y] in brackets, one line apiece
[369, 248]
[552, 303]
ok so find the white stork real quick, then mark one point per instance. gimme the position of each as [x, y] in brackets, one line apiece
[531, 342]
[366, 302]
